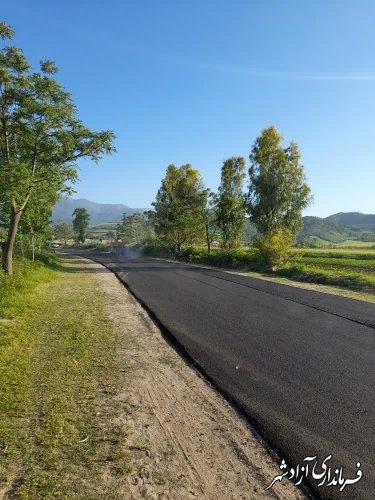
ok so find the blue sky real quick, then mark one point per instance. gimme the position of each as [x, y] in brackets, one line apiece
[195, 81]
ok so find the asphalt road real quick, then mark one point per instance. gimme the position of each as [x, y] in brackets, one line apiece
[301, 364]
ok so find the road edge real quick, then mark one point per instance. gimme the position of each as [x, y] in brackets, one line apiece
[275, 453]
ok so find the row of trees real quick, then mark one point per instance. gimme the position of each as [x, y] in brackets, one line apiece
[41, 140]
[186, 212]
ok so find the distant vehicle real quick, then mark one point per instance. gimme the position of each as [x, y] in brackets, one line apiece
[55, 245]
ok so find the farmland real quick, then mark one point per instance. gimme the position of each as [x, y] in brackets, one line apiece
[352, 267]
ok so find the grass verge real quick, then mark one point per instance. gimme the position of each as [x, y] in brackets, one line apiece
[345, 278]
[15, 290]
[58, 371]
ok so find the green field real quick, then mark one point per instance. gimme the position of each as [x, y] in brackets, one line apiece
[356, 244]
[100, 231]
[350, 265]
[361, 264]
[364, 249]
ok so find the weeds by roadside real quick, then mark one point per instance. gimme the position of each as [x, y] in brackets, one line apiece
[15, 290]
[58, 367]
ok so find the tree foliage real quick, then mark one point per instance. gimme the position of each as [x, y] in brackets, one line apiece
[179, 204]
[41, 137]
[63, 231]
[274, 247]
[80, 223]
[209, 218]
[134, 229]
[278, 190]
[34, 227]
[231, 208]
[278, 193]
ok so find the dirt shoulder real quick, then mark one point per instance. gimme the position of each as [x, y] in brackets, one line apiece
[183, 439]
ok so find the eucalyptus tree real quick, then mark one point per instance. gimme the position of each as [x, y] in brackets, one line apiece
[80, 223]
[178, 206]
[230, 202]
[278, 193]
[41, 137]
[209, 217]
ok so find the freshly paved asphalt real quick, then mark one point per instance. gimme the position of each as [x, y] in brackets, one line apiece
[301, 364]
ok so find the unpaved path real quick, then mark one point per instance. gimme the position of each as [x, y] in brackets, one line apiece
[183, 439]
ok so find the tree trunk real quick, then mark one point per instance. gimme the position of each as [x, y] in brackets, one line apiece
[7, 254]
[208, 239]
[3, 247]
[33, 247]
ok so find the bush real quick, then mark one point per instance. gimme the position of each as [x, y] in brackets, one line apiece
[157, 250]
[96, 246]
[231, 259]
[274, 248]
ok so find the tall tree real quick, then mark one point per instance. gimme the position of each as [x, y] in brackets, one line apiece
[134, 229]
[80, 223]
[41, 137]
[63, 231]
[209, 217]
[178, 204]
[231, 207]
[278, 193]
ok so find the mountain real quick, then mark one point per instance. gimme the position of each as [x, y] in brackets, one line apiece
[316, 227]
[99, 212]
[353, 218]
[339, 227]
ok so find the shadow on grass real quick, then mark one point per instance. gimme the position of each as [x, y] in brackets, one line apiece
[75, 264]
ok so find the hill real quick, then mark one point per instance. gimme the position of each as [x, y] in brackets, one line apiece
[323, 229]
[99, 212]
[339, 227]
[353, 219]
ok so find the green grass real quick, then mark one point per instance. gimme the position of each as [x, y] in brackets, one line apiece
[341, 277]
[58, 378]
[362, 250]
[96, 246]
[356, 244]
[339, 254]
[361, 264]
[15, 290]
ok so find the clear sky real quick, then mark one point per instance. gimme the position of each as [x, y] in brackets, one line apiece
[195, 81]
